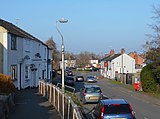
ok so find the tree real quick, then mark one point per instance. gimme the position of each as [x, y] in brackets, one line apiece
[84, 57]
[154, 44]
[51, 44]
[153, 55]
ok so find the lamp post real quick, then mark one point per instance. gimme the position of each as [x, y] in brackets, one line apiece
[62, 20]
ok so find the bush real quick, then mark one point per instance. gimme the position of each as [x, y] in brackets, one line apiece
[147, 78]
[6, 84]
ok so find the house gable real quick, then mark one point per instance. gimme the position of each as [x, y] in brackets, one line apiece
[124, 63]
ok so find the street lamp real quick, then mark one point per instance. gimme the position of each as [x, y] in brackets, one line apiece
[62, 20]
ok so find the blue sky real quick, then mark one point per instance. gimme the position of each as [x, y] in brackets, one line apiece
[94, 25]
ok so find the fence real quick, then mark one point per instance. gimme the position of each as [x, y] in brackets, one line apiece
[63, 103]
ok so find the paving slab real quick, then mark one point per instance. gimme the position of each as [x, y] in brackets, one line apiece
[30, 105]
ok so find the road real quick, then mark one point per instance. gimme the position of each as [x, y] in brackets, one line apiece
[145, 107]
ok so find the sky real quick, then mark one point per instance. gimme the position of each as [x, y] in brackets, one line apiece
[93, 25]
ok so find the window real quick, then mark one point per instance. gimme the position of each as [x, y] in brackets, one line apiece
[14, 72]
[93, 90]
[26, 72]
[27, 49]
[117, 109]
[13, 42]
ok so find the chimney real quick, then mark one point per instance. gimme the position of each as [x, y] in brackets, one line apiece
[122, 51]
[111, 52]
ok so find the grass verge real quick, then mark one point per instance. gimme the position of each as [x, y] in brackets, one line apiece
[130, 87]
[74, 98]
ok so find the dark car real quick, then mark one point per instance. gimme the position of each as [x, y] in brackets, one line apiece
[70, 73]
[79, 78]
[69, 80]
[113, 109]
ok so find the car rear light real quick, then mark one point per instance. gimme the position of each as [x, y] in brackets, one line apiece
[133, 115]
[102, 112]
[85, 93]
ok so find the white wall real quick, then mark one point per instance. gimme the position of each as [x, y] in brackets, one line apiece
[25, 47]
[127, 62]
[5, 53]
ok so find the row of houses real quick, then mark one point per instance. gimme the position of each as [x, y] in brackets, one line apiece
[23, 57]
[120, 63]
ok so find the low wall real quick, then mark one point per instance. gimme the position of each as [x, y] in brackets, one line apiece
[6, 102]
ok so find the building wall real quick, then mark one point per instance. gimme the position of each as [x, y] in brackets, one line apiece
[14, 57]
[37, 67]
[122, 64]
[94, 63]
[1, 52]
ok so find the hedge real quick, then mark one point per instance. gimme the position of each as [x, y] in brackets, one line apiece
[147, 78]
[6, 84]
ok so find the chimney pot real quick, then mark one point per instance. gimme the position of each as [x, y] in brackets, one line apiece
[122, 51]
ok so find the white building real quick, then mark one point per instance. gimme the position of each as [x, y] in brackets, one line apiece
[25, 58]
[117, 63]
[94, 62]
[68, 63]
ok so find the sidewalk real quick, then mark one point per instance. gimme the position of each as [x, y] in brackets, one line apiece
[30, 105]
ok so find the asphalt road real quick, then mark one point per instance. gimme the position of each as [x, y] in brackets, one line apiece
[145, 107]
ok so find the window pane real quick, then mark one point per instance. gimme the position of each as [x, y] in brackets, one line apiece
[93, 90]
[14, 72]
[13, 42]
[117, 109]
[26, 72]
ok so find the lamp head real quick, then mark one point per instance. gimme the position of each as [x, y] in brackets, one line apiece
[63, 20]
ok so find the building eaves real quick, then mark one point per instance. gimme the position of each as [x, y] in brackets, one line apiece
[11, 28]
[110, 58]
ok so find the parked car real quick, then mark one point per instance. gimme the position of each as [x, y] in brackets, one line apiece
[91, 79]
[113, 109]
[69, 80]
[54, 73]
[90, 93]
[70, 73]
[79, 78]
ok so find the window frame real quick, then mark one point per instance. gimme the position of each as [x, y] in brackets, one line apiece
[14, 72]
[13, 42]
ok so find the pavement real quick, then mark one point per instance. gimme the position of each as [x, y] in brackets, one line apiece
[30, 105]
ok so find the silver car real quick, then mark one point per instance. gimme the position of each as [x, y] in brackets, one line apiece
[91, 79]
[90, 93]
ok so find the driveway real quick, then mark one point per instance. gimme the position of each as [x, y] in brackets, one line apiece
[30, 105]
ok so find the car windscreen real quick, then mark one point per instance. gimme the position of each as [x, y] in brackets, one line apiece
[117, 109]
[93, 90]
[79, 76]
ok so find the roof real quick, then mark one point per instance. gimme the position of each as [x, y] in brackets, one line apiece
[110, 58]
[114, 101]
[11, 28]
